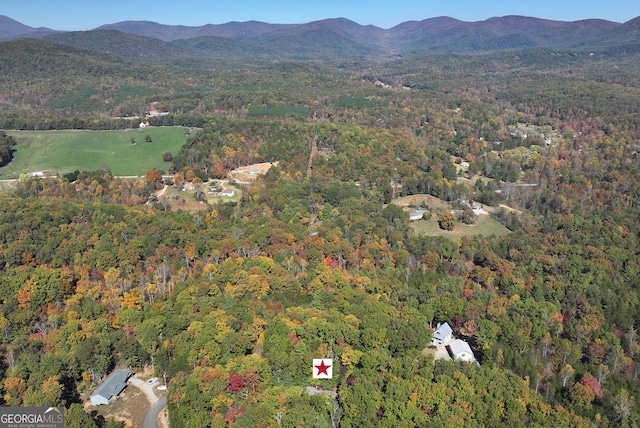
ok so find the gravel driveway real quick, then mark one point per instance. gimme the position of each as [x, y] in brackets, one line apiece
[143, 386]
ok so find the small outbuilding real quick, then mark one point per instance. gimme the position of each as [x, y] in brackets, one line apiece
[416, 215]
[111, 387]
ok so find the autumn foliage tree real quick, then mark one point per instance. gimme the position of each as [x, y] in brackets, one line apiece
[232, 302]
[447, 221]
[153, 178]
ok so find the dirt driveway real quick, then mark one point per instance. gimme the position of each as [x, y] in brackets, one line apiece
[147, 389]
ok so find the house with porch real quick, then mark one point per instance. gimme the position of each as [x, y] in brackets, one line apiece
[442, 335]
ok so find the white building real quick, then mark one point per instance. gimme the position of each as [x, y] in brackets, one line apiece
[442, 335]
[416, 215]
[461, 351]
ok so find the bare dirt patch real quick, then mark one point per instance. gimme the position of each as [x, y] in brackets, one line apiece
[163, 418]
[513, 210]
[188, 204]
[438, 353]
[421, 200]
[129, 408]
[248, 174]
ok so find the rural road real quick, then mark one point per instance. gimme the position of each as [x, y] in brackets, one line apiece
[157, 403]
[151, 417]
[510, 209]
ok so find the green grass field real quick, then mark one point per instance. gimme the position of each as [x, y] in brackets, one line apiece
[60, 152]
[185, 200]
[484, 225]
[429, 201]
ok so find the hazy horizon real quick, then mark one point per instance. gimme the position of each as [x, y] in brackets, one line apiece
[75, 15]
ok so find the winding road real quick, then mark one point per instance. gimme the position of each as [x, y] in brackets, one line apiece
[157, 403]
[151, 417]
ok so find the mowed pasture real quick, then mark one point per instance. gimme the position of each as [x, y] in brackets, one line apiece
[185, 199]
[484, 225]
[59, 152]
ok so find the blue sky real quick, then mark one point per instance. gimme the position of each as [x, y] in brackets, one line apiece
[85, 15]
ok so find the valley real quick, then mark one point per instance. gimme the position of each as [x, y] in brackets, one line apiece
[223, 205]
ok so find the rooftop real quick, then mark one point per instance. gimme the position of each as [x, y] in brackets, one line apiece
[442, 332]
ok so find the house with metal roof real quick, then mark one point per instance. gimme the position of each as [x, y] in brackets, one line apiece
[461, 351]
[442, 335]
[111, 387]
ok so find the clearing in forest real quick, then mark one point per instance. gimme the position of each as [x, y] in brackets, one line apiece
[484, 225]
[124, 152]
[248, 174]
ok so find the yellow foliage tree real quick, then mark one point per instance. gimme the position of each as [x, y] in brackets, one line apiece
[14, 388]
[23, 296]
[130, 300]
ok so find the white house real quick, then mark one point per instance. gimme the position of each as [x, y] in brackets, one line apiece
[442, 335]
[461, 351]
[110, 388]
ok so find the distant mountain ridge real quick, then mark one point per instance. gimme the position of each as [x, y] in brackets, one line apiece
[337, 38]
[12, 29]
[170, 33]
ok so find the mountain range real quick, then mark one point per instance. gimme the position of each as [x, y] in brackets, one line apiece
[338, 38]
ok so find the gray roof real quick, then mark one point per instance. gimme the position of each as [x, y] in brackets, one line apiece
[442, 332]
[458, 346]
[114, 384]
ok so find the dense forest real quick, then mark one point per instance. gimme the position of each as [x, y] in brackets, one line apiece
[233, 301]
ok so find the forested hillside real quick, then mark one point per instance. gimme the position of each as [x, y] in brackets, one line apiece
[317, 259]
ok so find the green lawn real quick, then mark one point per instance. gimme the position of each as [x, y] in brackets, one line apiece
[60, 152]
[211, 199]
[185, 200]
[484, 225]
[428, 201]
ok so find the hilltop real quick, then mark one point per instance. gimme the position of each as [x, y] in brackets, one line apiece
[341, 38]
[11, 29]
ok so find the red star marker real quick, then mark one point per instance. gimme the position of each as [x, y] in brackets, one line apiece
[322, 368]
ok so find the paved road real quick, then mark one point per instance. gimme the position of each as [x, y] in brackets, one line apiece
[151, 418]
[157, 403]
